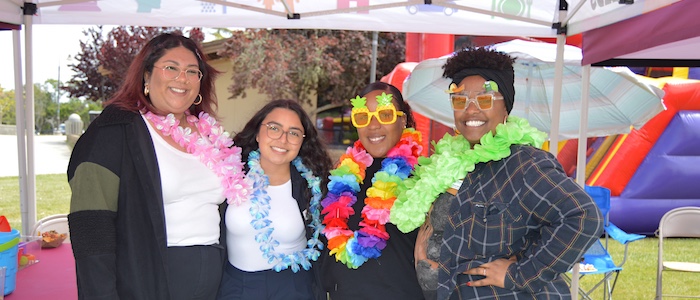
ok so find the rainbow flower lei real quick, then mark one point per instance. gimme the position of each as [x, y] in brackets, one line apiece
[214, 148]
[260, 209]
[452, 160]
[353, 248]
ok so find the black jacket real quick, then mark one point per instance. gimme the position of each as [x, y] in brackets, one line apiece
[116, 219]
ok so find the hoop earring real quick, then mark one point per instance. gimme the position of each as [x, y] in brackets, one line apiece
[505, 120]
[146, 90]
[196, 102]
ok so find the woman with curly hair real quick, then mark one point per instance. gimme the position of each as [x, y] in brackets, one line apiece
[504, 221]
[273, 238]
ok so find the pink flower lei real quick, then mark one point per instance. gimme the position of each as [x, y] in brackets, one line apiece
[213, 147]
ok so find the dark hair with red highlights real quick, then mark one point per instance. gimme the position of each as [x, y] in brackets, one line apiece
[130, 95]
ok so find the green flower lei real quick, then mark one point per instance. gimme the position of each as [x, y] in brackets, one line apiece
[452, 160]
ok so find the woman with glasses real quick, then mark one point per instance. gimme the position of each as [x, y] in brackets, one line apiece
[273, 238]
[370, 258]
[148, 178]
[503, 219]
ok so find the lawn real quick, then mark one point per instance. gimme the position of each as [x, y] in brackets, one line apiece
[637, 280]
[52, 197]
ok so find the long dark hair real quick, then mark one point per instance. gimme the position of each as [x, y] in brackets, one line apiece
[130, 94]
[313, 150]
[398, 99]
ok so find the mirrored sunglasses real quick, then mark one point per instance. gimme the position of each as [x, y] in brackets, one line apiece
[461, 101]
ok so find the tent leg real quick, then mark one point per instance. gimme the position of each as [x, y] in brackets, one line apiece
[583, 127]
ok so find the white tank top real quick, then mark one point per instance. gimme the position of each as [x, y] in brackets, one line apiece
[191, 195]
[243, 251]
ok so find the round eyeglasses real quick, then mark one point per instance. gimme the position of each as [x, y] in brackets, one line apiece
[173, 72]
[275, 131]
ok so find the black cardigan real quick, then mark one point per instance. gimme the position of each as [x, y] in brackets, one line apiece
[113, 168]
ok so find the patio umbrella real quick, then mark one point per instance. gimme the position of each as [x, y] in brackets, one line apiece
[618, 98]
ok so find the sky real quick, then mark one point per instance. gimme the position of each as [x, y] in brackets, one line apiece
[53, 44]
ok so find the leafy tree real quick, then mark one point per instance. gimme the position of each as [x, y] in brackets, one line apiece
[7, 106]
[45, 107]
[80, 107]
[103, 60]
[296, 64]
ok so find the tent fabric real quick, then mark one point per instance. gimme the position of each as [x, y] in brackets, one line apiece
[670, 33]
[474, 17]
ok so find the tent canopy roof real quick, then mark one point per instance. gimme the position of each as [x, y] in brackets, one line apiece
[473, 17]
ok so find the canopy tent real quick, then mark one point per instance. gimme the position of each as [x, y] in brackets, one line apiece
[671, 39]
[474, 17]
[541, 18]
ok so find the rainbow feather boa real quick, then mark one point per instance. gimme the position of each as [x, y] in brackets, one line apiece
[353, 248]
[452, 160]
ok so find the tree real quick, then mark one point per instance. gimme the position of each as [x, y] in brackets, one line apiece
[296, 64]
[103, 60]
[45, 106]
[7, 106]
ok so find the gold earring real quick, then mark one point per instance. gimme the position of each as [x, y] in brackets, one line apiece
[198, 101]
[146, 90]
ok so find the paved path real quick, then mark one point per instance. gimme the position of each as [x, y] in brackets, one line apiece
[51, 155]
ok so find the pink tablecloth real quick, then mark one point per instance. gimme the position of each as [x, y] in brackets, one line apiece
[52, 278]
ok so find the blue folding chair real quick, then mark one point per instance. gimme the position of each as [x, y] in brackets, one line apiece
[597, 260]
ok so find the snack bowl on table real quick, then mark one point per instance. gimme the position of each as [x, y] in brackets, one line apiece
[52, 239]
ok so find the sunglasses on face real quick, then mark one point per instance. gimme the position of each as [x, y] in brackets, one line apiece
[484, 101]
[385, 116]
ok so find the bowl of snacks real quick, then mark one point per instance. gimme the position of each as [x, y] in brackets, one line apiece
[52, 239]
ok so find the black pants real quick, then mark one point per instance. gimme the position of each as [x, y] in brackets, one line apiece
[266, 285]
[195, 271]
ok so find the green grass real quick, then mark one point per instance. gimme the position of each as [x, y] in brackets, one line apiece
[52, 197]
[637, 280]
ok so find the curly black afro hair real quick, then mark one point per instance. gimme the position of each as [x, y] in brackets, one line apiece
[477, 58]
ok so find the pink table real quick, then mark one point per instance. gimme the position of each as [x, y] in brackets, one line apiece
[52, 278]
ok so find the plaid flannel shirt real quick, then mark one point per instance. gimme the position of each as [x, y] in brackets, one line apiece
[525, 206]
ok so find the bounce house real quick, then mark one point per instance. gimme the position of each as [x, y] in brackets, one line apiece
[651, 170]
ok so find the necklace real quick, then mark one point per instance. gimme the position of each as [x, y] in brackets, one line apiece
[212, 146]
[452, 160]
[353, 248]
[260, 209]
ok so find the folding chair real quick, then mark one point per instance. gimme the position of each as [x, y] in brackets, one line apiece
[678, 222]
[54, 222]
[597, 260]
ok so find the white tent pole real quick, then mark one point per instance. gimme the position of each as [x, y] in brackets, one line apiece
[29, 128]
[373, 66]
[528, 90]
[20, 130]
[556, 103]
[583, 128]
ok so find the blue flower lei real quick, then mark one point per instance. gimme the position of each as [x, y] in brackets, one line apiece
[260, 209]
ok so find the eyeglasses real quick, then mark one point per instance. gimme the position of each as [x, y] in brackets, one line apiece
[483, 101]
[385, 116]
[173, 72]
[294, 136]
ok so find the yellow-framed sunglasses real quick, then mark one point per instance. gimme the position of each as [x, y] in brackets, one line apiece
[385, 116]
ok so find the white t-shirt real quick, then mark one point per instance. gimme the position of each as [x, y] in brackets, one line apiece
[243, 251]
[191, 195]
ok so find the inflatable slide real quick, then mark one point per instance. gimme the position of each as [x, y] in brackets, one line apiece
[651, 170]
